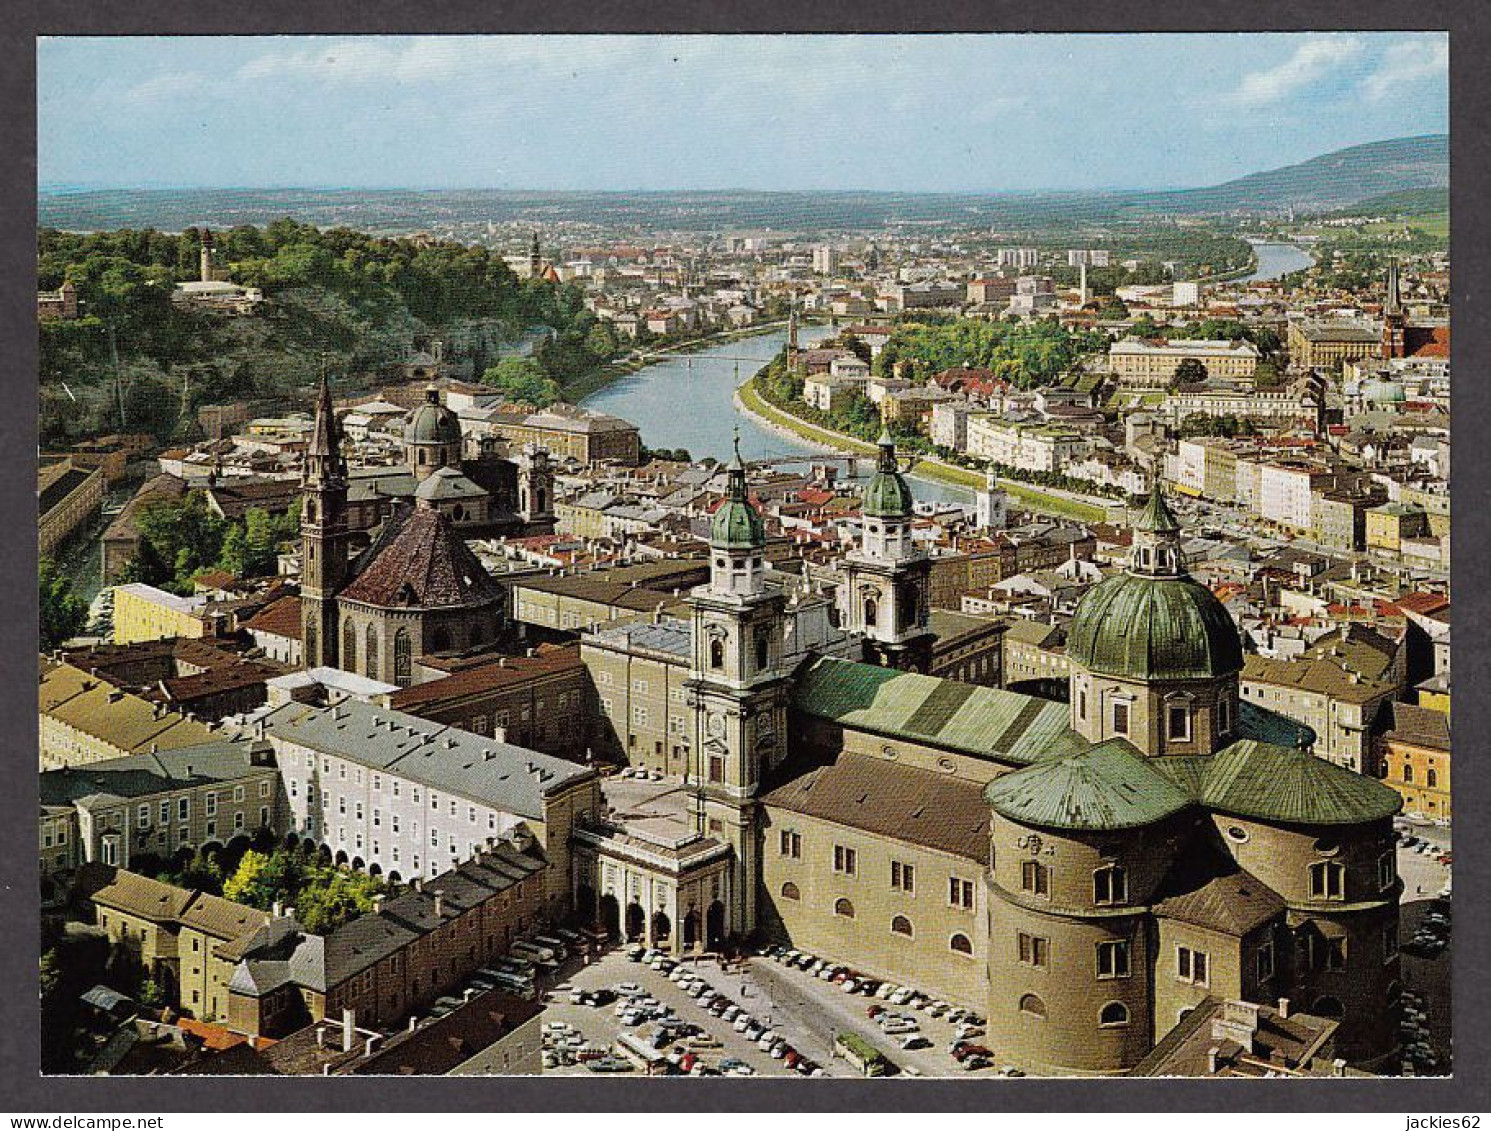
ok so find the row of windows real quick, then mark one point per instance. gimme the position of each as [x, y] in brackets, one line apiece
[1114, 1015]
[959, 943]
[1110, 883]
[902, 875]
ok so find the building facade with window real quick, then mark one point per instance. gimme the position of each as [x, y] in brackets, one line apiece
[404, 797]
[1086, 872]
[1165, 857]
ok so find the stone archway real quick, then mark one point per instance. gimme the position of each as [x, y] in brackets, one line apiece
[714, 925]
[691, 928]
[662, 928]
[341, 858]
[584, 903]
[636, 921]
[609, 914]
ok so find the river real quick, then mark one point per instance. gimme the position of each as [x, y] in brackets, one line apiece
[688, 401]
[1276, 259]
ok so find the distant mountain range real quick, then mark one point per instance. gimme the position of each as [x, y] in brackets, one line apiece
[1330, 182]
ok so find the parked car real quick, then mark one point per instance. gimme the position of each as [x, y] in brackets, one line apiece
[608, 1064]
[915, 1041]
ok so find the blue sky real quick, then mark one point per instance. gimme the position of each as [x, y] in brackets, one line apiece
[910, 113]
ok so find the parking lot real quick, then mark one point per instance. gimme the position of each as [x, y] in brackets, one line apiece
[808, 1013]
[600, 1026]
[1425, 941]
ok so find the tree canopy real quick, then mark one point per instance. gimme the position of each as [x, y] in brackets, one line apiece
[63, 612]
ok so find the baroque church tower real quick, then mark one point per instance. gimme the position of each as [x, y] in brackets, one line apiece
[886, 579]
[738, 690]
[324, 535]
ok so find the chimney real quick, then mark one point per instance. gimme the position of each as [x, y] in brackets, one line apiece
[1338, 1067]
[349, 1029]
[1212, 1054]
[499, 734]
[378, 904]
[278, 908]
[1284, 1008]
[439, 905]
[413, 1022]
[419, 883]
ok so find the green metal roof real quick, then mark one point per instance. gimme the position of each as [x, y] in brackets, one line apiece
[1107, 786]
[1273, 783]
[737, 526]
[1114, 786]
[887, 495]
[1156, 515]
[982, 721]
[1154, 628]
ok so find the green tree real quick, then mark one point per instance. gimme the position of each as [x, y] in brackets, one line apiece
[522, 379]
[50, 969]
[240, 886]
[150, 994]
[333, 896]
[63, 612]
[1190, 371]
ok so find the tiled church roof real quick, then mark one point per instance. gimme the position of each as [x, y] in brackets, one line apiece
[420, 562]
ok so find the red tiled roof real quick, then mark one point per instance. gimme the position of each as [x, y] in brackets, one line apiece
[1428, 341]
[497, 672]
[279, 618]
[420, 562]
[1423, 603]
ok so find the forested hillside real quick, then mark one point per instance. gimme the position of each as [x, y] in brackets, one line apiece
[341, 300]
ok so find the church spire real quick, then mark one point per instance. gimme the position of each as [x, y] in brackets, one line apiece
[324, 462]
[1394, 303]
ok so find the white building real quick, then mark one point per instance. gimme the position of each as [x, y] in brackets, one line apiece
[1034, 447]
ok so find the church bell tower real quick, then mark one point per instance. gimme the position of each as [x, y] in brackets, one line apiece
[323, 536]
[737, 688]
[886, 580]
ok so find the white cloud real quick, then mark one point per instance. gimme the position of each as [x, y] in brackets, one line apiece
[367, 60]
[166, 88]
[1312, 60]
[1408, 62]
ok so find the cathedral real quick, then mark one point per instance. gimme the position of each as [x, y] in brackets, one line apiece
[1087, 873]
[386, 575]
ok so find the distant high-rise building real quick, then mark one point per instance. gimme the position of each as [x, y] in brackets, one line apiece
[1019, 256]
[825, 260]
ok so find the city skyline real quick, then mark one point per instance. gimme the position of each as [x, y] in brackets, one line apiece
[786, 113]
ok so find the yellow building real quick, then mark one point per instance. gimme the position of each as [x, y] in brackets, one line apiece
[1324, 343]
[1389, 524]
[173, 934]
[82, 719]
[1414, 758]
[68, 496]
[143, 612]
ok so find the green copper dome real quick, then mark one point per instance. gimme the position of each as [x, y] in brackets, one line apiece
[1154, 628]
[432, 423]
[1154, 622]
[737, 525]
[886, 494]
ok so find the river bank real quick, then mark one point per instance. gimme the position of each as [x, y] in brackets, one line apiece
[597, 379]
[768, 416]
